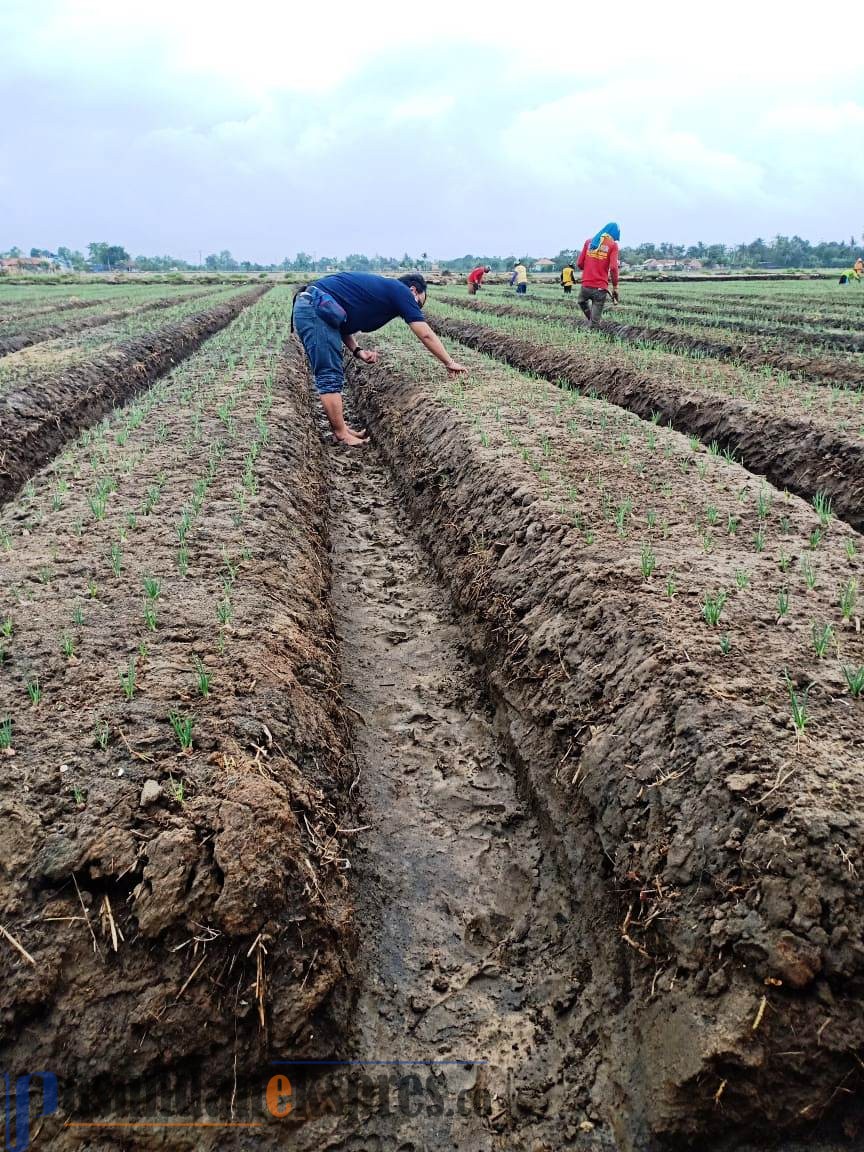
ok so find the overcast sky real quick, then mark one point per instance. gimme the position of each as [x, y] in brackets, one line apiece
[447, 127]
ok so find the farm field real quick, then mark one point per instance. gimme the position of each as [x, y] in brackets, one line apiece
[528, 739]
[51, 390]
[785, 348]
[804, 435]
[172, 741]
[20, 329]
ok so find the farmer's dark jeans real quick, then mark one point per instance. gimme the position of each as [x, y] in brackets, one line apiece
[323, 345]
[592, 302]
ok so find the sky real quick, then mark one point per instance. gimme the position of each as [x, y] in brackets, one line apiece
[453, 127]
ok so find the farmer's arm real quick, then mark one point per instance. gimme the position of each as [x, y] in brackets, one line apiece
[613, 272]
[364, 354]
[432, 344]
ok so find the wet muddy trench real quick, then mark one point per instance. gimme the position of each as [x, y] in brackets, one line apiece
[469, 966]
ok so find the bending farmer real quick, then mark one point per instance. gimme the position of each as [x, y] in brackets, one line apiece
[329, 312]
[475, 278]
[599, 263]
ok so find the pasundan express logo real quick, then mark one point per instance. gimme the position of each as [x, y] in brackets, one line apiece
[19, 1094]
[294, 1092]
[410, 1088]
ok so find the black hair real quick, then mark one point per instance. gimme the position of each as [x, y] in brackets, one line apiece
[413, 280]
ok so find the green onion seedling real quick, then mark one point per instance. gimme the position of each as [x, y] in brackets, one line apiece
[182, 727]
[712, 607]
[127, 679]
[823, 636]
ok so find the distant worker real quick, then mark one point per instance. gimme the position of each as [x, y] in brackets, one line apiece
[475, 277]
[328, 312]
[520, 278]
[858, 267]
[568, 278]
[599, 263]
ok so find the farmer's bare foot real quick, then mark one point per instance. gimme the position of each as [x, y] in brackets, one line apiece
[350, 438]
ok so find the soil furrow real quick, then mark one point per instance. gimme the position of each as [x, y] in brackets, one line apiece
[768, 327]
[791, 453]
[467, 954]
[36, 422]
[31, 336]
[814, 337]
[16, 309]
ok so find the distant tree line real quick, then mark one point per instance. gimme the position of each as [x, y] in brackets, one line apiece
[781, 252]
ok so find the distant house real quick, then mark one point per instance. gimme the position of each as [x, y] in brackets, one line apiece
[544, 264]
[667, 264]
[27, 264]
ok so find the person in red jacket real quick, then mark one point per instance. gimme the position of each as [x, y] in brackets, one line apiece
[475, 278]
[599, 263]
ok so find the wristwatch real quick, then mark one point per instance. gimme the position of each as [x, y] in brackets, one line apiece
[357, 351]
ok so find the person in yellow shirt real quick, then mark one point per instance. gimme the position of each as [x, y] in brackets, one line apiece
[568, 278]
[520, 278]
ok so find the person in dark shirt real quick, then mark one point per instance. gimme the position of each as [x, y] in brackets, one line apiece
[329, 312]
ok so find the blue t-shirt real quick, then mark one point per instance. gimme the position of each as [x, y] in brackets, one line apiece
[370, 301]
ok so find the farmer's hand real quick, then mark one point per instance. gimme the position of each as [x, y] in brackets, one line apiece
[456, 369]
[615, 296]
[368, 356]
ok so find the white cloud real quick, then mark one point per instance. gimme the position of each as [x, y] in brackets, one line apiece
[423, 107]
[817, 118]
[266, 45]
[602, 135]
[448, 127]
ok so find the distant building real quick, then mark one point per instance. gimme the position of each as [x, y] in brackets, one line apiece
[667, 264]
[28, 264]
[544, 264]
